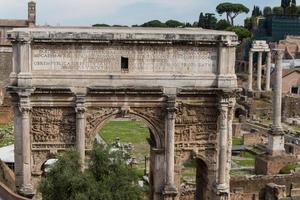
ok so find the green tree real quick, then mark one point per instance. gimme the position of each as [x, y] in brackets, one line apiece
[267, 11]
[241, 32]
[232, 10]
[107, 177]
[256, 12]
[201, 22]
[222, 25]
[207, 21]
[174, 24]
[154, 23]
[101, 25]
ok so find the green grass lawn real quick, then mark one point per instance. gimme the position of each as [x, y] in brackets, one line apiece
[134, 132]
[245, 163]
[237, 141]
[288, 168]
[6, 135]
[246, 154]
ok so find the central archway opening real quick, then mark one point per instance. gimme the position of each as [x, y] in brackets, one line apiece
[134, 138]
[194, 179]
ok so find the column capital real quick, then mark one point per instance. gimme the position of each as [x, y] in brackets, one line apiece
[24, 104]
[80, 109]
[279, 53]
[80, 104]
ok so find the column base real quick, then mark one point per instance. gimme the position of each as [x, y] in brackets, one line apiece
[169, 192]
[27, 191]
[222, 189]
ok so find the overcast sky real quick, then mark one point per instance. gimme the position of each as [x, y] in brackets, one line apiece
[124, 12]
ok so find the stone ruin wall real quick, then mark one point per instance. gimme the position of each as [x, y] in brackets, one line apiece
[254, 187]
[291, 107]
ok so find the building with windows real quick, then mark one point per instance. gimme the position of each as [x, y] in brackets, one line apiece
[274, 28]
[290, 81]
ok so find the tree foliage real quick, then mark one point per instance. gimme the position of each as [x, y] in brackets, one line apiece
[241, 32]
[174, 24]
[232, 10]
[207, 21]
[222, 25]
[154, 23]
[107, 177]
[256, 12]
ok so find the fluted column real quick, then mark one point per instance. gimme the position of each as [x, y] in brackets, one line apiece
[25, 109]
[259, 66]
[223, 145]
[170, 190]
[80, 128]
[268, 73]
[250, 71]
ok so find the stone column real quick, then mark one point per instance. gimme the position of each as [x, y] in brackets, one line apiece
[277, 95]
[25, 109]
[80, 128]
[223, 186]
[231, 104]
[259, 64]
[170, 190]
[268, 73]
[250, 71]
[276, 137]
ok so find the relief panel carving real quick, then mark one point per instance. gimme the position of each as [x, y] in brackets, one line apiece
[196, 126]
[53, 127]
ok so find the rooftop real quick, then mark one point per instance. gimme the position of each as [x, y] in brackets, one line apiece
[13, 23]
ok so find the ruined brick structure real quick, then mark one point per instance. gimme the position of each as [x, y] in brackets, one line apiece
[67, 82]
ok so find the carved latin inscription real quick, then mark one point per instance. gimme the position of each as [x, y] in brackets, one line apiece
[103, 58]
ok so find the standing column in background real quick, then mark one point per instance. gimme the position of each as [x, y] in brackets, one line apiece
[268, 73]
[250, 71]
[259, 66]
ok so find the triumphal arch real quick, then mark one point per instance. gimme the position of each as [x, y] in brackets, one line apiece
[67, 82]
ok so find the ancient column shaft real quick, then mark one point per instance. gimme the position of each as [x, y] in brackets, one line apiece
[170, 146]
[259, 66]
[250, 71]
[80, 129]
[277, 95]
[25, 109]
[223, 142]
[276, 137]
[268, 72]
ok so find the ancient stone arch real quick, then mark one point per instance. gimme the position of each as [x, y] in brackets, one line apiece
[66, 83]
[152, 117]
